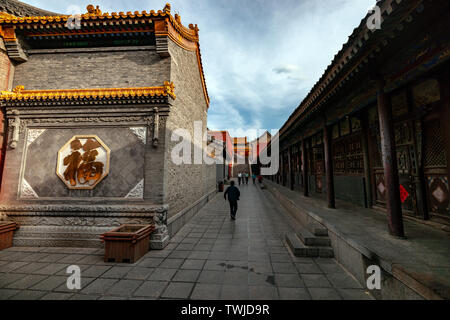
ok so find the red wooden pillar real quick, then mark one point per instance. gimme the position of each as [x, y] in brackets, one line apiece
[389, 154]
[329, 167]
[305, 169]
[291, 184]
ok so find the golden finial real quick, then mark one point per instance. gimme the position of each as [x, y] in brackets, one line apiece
[7, 16]
[92, 10]
[169, 88]
[193, 28]
[167, 8]
[177, 18]
[18, 89]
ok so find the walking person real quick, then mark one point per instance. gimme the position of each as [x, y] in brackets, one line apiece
[239, 177]
[254, 178]
[233, 198]
[246, 177]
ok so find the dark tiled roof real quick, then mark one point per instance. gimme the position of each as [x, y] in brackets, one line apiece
[20, 9]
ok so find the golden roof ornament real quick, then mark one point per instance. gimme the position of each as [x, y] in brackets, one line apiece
[92, 10]
[177, 18]
[5, 15]
[167, 8]
[18, 89]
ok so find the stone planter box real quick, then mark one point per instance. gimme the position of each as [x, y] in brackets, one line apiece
[7, 229]
[127, 243]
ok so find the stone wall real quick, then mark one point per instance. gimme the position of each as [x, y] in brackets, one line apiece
[51, 214]
[126, 168]
[50, 69]
[186, 183]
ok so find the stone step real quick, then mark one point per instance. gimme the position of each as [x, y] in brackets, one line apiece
[318, 230]
[301, 250]
[311, 240]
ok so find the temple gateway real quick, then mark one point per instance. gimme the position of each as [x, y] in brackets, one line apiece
[89, 104]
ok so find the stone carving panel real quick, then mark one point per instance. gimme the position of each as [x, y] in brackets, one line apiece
[33, 134]
[137, 192]
[126, 165]
[27, 191]
[83, 162]
[141, 133]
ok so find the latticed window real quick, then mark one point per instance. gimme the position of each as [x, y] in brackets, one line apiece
[348, 155]
[434, 155]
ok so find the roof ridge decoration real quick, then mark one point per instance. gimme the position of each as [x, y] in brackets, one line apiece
[190, 33]
[19, 93]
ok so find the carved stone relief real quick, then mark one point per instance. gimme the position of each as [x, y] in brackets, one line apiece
[27, 191]
[33, 134]
[141, 133]
[137, 192]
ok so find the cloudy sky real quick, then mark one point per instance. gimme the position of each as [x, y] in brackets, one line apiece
[261, 57]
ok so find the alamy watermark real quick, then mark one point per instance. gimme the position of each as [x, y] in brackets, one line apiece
[374, 280]
[374, 21]
[74, 20]
[74, 280]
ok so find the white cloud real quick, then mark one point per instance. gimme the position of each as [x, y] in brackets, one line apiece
[261, 57]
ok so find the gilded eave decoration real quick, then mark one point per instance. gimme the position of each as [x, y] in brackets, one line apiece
[20, 94]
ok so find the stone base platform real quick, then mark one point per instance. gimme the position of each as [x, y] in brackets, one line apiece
[82, 225]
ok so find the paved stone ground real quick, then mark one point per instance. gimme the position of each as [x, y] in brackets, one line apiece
[212, 257]
[424, 255]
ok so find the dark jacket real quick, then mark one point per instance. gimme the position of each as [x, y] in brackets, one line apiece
[233, 194]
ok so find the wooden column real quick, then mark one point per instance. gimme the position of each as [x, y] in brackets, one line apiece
[283, 183]
[365, 148]
[389, 154]
[329, 167]
[305, 169]
[291, 185]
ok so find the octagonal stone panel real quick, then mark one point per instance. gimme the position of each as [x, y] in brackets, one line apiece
[83, 162]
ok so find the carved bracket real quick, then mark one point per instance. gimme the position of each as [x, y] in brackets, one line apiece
[15, 129]
[155, 127]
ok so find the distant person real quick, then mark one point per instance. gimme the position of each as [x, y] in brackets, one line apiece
[233, 198]
[254, 178]
[239, 178]
[246, 177]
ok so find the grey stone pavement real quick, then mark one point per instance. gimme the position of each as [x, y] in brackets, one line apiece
[211, 258]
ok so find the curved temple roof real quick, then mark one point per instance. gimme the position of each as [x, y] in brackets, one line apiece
[166, 25]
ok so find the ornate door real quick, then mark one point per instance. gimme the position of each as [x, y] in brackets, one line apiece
[406, 162]
[436, 166]
[319, 167]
